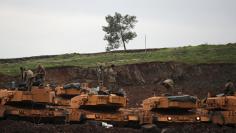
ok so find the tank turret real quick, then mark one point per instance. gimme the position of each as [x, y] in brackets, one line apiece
[170, 102]
[221, 103]
[30, 104]
[222, 109]
[173, 108]
[109, 101]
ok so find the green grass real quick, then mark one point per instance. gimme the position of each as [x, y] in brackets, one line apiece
[188, 54]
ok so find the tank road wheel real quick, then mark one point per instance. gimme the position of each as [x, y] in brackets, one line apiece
[13, 117]
[217, 118]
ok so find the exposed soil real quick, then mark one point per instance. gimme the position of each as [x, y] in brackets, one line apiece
[191, 79]
[139, 81]
[9, 126]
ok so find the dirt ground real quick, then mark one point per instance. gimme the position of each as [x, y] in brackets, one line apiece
[9, 126]
[139, 81]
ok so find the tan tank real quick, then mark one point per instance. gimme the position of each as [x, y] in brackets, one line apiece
[64, 95]
[86, 100]
[174, 109]
[166, 102]
[37, 95]
[93, 105]
[89, 103]
[222, 109]
[4, 97]
[30, 103]
[221, 103]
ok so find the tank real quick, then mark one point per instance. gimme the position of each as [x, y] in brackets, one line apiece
[222, 109]
[221, 102]
[185, 102]
[99, 106]
[173, 109]
[4, 97]
[36, 103]
[68, 91]
[36, 95]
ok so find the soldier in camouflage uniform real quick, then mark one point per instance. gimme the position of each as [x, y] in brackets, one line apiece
[229, 88]
[100, 75]
[169, 85]
[27, 78]
[111, 78]
[22, 69]
[40, 75]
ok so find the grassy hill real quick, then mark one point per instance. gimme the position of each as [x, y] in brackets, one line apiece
[188, 54]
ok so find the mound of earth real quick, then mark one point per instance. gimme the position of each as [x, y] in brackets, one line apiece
[143, 80]
[140, 81]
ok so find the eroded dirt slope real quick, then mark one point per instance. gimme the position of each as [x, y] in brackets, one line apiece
[140, 80]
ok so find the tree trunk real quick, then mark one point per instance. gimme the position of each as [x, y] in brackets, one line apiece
[123, 41]
[124, 45]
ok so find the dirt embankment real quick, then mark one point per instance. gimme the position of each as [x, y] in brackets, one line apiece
[140, 80]
[143, 79]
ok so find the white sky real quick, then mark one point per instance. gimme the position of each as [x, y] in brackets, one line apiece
[45, 27]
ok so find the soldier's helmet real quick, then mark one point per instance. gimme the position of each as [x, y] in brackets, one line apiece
[168, 82]
[40, 66]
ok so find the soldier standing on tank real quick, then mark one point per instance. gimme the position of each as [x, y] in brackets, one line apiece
[100, 75]
[28, 78]
[22, 69]
[111, 78]
[40, 74]
[229, 88]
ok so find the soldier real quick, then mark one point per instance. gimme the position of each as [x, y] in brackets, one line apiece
[100, 75]
[28, 78]
[169, 85]
[112, 74]
[22, 74]
[40, 74]
[229, 88]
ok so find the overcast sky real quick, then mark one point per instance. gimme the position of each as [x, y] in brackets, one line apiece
[45, 27]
